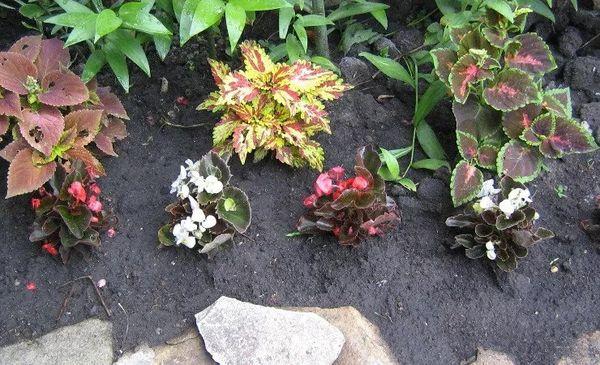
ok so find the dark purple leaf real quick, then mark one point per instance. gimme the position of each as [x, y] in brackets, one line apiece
[515, 121]
[466, 183]
[14, 71]
[464, 73]
[443, 60]
[529, 52]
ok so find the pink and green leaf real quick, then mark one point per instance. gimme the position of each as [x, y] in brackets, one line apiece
[467, 145]
[42, 128]
[63, 88]
[558, 101]
[464, 73]
[516, 121]
[519, 161]
[443, 60]
[237, 88]
[544, 125]
[24, 177]
[218, 70]
[529, 52]
[15, 69]
[466, 183]
[256, 60]
[487, 155]
[496, 37]
[571, 137]
[512, 89]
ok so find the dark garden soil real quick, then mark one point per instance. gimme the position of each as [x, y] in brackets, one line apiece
[432, 305]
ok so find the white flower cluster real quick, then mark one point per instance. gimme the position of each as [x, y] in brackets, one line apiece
[191, 229]
[190, 176]
[517, 199]
[490, 250]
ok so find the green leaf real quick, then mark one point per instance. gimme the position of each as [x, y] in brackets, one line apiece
[106, 22]
[294, 48]
[261, 5]
[118, 64]
[302, 36]
[162, 43]
[313, 20]
[73, 20]
[351, 9]
[71, 6]
[408, 184]
[68, 240]
[285, 19]
[432, 96]
[80, 34]
[391, 163]
[199, 15]
[502, 7]
[77, 219]
[134, 17]
[389, 67]
[93, 65]
[429, 142]
[401, 152]
[326, 63]
[430, 164]
[239, 217]
[165, 235]
[130, 47]
[539, 7]
[381, 16]
[31, 11]
[235, 19]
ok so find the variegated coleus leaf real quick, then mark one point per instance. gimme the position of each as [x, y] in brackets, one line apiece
[113, 131]
[541, 128]
[85, 123]
[237, 88]
[487, 155]
[475, 40]
[24, 176]
[306, 78]
[496, 37]
[516, 121]
[10, 104]
[458, 33]
[92, 164]
[218, 70]
[478, 120]
[519, 161]
[558, 101]
[257, 62]
[15, 70]
[467, 145]
[511, 90]
[465, 72]
[42, 128]
[568, 136]
[63, 88]
[529, 52]
[481, 154]
[466, 183]
[443, 60]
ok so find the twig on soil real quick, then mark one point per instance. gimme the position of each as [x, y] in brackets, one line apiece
[386, 315]
[126, 324]
[108, 313]
[589, 42]
[63, 307]
[165, 122]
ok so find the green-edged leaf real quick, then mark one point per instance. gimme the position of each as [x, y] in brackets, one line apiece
[503, 222]
[558, 101]
[429, 141]
[443, 60]
[467, 145]
[135, 17]
[516, 121]
[389, 67]
[544, 125]
[106, 22]
[165, 235]
[131, 47]
[199, 15]
[466, 183]
[235, 19]
[496, 37]
[512, 90]
[479, 120]
[240, 216]
[487, 155]
[93, 65]
[571, 137]
[261, 5]
[464, 73]
[518, 161]
[77, 219]
[529, 52]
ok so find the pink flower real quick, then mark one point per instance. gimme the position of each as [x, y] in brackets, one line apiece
[373, 231]
[94, 219]
[360, 183]
[30, 286]
[182, 100]
[35, 203]
[77, 191]
[323, 185]
[336, 173]
[50, 248]
[336, 231]
[95, 189]
[94, 204]
[310, 201]
[111, 232]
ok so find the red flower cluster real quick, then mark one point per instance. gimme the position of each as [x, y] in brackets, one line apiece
[50, 248]
[332, 183]
[79, 193]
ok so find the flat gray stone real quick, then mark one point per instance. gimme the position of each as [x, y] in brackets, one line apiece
[236, 332]
[586, 351]
[88, 342]
[491, 357]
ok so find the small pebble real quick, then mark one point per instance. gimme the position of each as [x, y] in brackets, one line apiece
[164, 85]
[101, 283]
[554, 269]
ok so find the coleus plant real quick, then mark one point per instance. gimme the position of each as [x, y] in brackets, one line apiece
[501, 225]
[505, 121]
[69, 212]
[272, 107]
[51, 114]
[209, 210]
[592, 225]
[350, 208]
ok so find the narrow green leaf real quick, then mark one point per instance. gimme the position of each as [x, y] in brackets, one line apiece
[235, 19]
[314, 20]
[408, 184]
[118, 64]
[326, 63]
[429, 142]
[71, 6]
[130, 47]
[430, 164]
[294, 48]
[81, 34]
[302, 36]
[93, 65]
[106, 22]
[261, 5]
[381, 16]
[352, 9]
[285, 19]
[134, 17]
[391, 163]
[199, 15]
[162, 43]
[432, 96]
[502, 7]
[72, 20]
[389, 67]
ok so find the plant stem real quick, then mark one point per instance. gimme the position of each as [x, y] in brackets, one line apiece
[414, 136]
[321, 42]
[210, 38]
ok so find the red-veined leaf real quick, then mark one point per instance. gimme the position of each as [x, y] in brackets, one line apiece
[515, 121]
[467, 145]
[218, 70]
[518, 161]
[42, 128]
[236, 88]
[256, 60]
[24, 177]
[14, 71]
[529, 52]
[63, 89]
[28, 46]
[443, 60]
[464, 73]
[466, 183]
[512, 89]
[571, 137]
